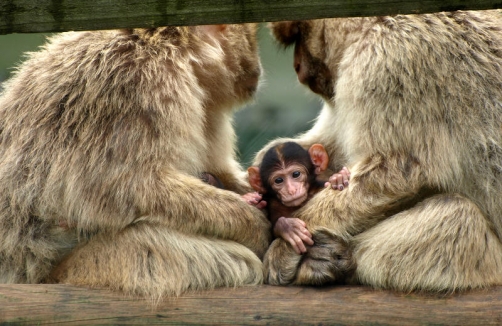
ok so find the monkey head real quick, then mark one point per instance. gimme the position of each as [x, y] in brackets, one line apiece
[233, 77]
[315, 66]
[288, 171]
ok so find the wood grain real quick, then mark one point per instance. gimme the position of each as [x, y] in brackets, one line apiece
[27, 16]
[261, 305]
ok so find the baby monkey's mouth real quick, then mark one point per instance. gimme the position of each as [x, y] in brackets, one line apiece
[295, 201]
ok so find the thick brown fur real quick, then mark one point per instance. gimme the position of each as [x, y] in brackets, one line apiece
[103, 138]
[414, 105]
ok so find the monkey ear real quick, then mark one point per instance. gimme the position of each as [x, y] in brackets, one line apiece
[286, 32]
[255, 180]
[319, 157]
[213, 30]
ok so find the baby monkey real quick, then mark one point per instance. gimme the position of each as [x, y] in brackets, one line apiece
[285, 180]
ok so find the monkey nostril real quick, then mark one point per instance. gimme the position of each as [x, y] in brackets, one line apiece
[297, 67]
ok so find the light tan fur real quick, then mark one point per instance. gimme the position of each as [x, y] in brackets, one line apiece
[103, 137]
[414, 105]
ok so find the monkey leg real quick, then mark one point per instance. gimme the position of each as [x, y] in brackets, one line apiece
[442, 244]
[280, 263]
[328, 261]
[154, 261]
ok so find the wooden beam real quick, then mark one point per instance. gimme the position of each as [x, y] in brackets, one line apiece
[27, 16]
[260, 305]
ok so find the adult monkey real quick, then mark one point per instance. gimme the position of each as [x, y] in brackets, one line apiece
[103, 138]
[414, 104]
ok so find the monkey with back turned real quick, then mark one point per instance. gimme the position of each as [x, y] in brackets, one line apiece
[103, 138]
[413, 109]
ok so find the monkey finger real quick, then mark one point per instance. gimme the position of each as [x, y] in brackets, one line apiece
[247, 197]
[254, 199]
[345, 176]
[341, 177]
[306, 240]
[257, 195]
[336, 181]
[306, 232]
[289, 237]
[332, 178]
[328, 184]
[298, 244]
[299, 222]
[297, 250]
[345, 170]
[261, 205]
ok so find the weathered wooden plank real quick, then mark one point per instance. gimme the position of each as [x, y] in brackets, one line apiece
[262, 305]
[25, 16]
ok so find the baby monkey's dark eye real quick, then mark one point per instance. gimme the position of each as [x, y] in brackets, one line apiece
[296, 174]
[278, 180]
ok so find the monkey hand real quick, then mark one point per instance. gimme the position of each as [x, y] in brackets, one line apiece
[329, 261]
[339, 180]
[294, 231]
[254, 199]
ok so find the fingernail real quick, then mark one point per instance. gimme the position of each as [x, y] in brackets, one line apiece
[340, 187]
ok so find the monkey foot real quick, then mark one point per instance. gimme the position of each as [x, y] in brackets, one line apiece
[329, 260]
[280, 263]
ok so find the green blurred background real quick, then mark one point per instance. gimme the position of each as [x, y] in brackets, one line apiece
[282, 106]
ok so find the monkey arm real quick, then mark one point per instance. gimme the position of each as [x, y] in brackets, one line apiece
[163, 195]
[186, 204]
[236, 182]
[221, 138]
[377, 188]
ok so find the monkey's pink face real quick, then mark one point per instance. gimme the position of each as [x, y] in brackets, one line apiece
[290, 185]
